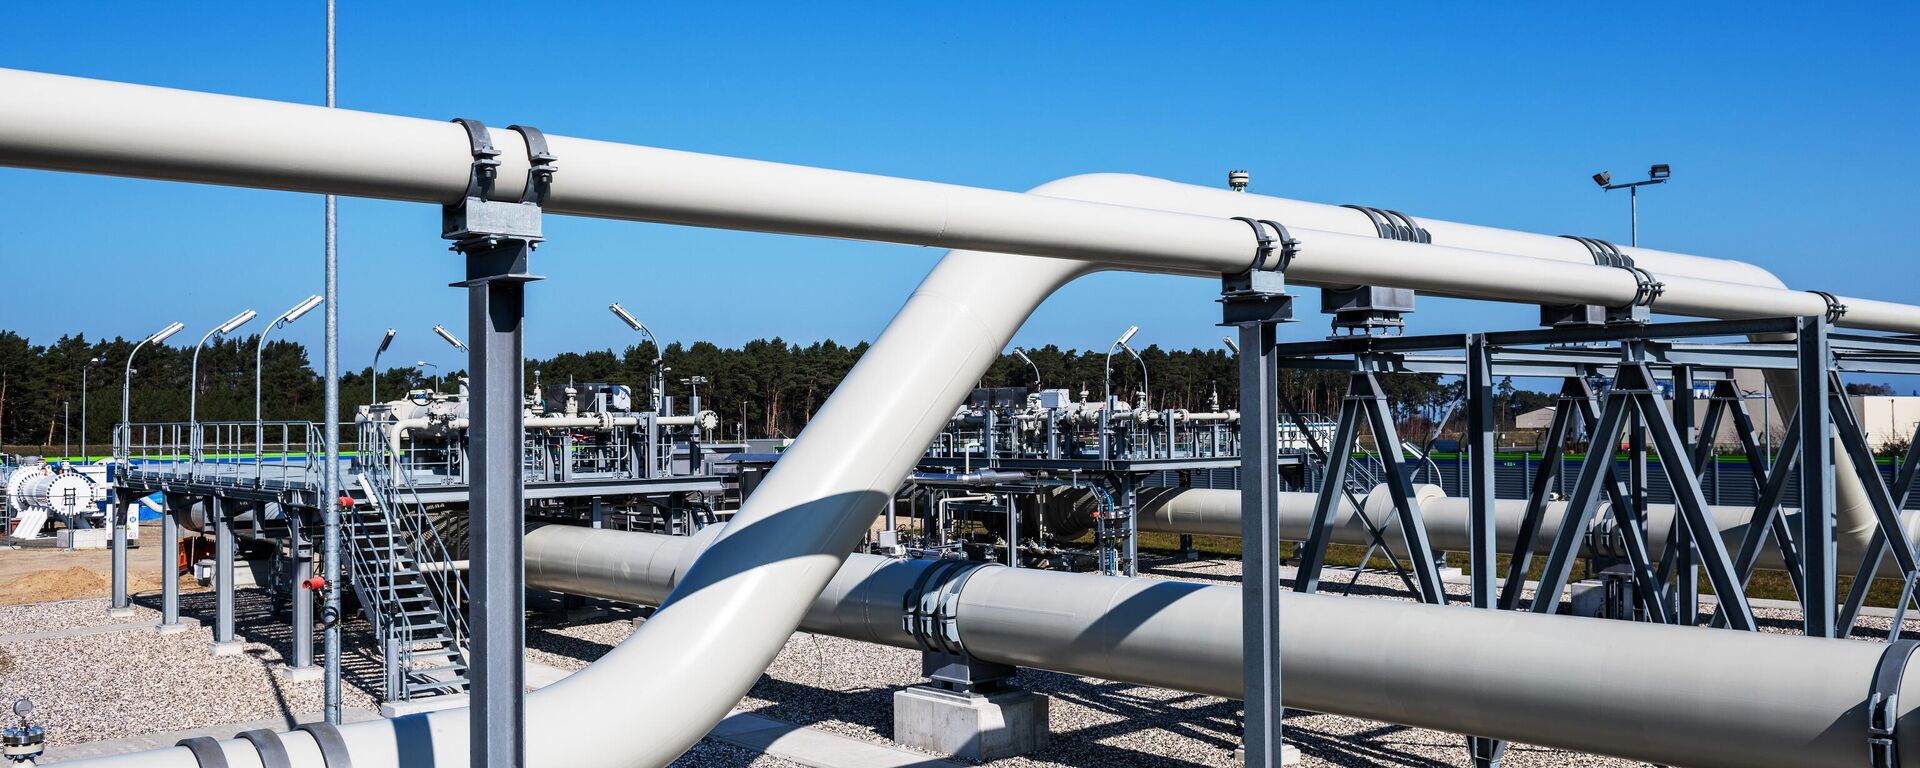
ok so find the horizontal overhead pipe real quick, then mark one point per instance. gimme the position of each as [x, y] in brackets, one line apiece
[749, 589]
[1211, 512]
[1669, 695]
[94, 126]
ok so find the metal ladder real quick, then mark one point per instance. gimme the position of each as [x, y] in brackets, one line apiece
[416, 614]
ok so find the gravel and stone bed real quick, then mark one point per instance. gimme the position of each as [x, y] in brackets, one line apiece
[120, 684]
[66, 614]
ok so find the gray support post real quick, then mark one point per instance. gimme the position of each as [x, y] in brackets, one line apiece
[302, 657]
[1130, 500]
[497, 239]
[120, 606]
[1686, 576]
[1485, 753]
[1479, 444]
[1260, 584]
[1816, 479]
[495, 311]
[223, 554]
[169, 568]
[1255, 302]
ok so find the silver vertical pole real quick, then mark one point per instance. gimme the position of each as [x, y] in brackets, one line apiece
[329, 475]
[223, 553]
[302, 596]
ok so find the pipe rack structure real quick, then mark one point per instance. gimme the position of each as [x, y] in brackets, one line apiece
[752, 585]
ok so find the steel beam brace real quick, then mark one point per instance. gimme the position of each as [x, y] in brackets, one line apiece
[1486, 753]
[1816, 478]
[1596, 469]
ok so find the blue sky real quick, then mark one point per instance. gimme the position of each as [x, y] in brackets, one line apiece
[1791, 133]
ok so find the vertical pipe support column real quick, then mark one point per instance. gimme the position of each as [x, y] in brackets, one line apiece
[1686, 571]
[300, 546]
[1256, 302]
[1480, 472]
[169, 568]
[120, 606]
[223, 556]
[497, 239]
[1816, 478]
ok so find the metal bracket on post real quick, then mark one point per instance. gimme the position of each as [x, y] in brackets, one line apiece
[1634, 312]
[928, 615]
[1255, 301]
[497, 239]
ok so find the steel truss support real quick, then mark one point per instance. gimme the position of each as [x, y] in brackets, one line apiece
[1633, 393]
[1374, 530]
[1575, 403]
[1887, 503]
[1366, 402]
[1770, 482]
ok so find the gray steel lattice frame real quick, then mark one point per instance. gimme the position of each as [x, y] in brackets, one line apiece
[1649, 348]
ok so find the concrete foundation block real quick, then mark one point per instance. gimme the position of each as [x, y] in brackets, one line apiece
[971, 727]
[120, 613]
[392, 709]
[229, 648]
[304, 674]
[1289, 754]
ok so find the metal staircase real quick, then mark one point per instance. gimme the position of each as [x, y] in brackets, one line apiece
[409, 586]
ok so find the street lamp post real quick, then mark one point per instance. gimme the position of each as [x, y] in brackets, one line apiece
[259, 351]
[436, 372]
[119, 605]
[1657, 174]
[1022, 354]
[193, 384]
[451, 340]
[374, 395]
[659, 373]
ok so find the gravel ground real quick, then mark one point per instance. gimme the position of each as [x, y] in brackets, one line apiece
[126, 683]
[66, 614]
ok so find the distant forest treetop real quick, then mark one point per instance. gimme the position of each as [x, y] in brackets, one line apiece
[771, 385]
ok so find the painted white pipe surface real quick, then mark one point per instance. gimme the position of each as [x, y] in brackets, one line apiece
[93, 126]
[1211, 512]
[1677, 696]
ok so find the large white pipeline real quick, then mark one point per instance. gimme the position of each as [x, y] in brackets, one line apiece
[1670, 695]
[1211, 512]
[746, 593]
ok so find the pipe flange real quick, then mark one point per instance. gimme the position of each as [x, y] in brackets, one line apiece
[273, 753]
[206, 751]
[333, 746]
[1883, 703]
[1835, 309]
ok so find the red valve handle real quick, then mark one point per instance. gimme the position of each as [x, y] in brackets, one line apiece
[315, 583]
